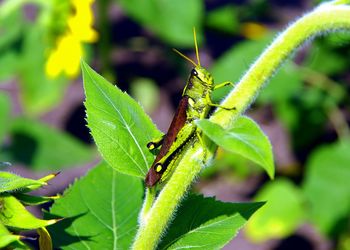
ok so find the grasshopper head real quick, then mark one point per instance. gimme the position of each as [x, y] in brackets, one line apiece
[203, 75]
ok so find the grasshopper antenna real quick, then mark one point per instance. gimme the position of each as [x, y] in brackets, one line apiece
[196, 46]
[187, 58]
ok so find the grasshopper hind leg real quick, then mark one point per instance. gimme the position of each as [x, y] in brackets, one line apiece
[155, 143]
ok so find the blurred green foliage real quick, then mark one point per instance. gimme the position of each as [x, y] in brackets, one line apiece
[159, 16]
[282, 214]
[37, 145]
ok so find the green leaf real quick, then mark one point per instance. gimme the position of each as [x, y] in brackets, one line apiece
[205, 223]
[13, 214]
[100, 211]
[6, 238]
[31, 200]
[42, 147]
[118, 124]
[281, 215]
[5, 110]
[159, 16]
[326, 185]
[244, 138]
[39, 94]
[10, 182]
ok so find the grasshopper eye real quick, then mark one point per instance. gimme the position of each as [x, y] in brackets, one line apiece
[194, 72]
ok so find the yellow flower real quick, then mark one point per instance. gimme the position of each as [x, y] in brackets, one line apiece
[66, 55]
[65, 58]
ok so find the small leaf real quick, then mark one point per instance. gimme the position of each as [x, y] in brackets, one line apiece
[100, 211]
[6, 238]
[118, 124]
[205, 223]
[326, 185]
[13, 214]
[31, 200]
[244, 138]
[43, 147]
[10, 182]
[281, 215]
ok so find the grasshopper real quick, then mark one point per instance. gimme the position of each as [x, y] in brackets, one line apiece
[195, 104]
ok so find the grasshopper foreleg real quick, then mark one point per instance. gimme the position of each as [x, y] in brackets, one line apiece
[223, 84]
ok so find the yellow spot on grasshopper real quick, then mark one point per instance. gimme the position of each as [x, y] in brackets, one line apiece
[158, 168]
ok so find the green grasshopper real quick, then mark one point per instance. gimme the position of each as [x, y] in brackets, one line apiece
[195, 104]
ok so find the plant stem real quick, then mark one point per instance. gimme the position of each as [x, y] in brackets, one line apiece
[150, 195]
[326, 18]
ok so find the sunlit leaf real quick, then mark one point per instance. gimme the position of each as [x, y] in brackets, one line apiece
[10, 182]
[6, 238]
[205, 223]
[244, 138]
[100, 211]
[13, 214]
[118, 124]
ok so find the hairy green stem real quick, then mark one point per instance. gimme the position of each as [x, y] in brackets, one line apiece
[326, 18]
[150, 195]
